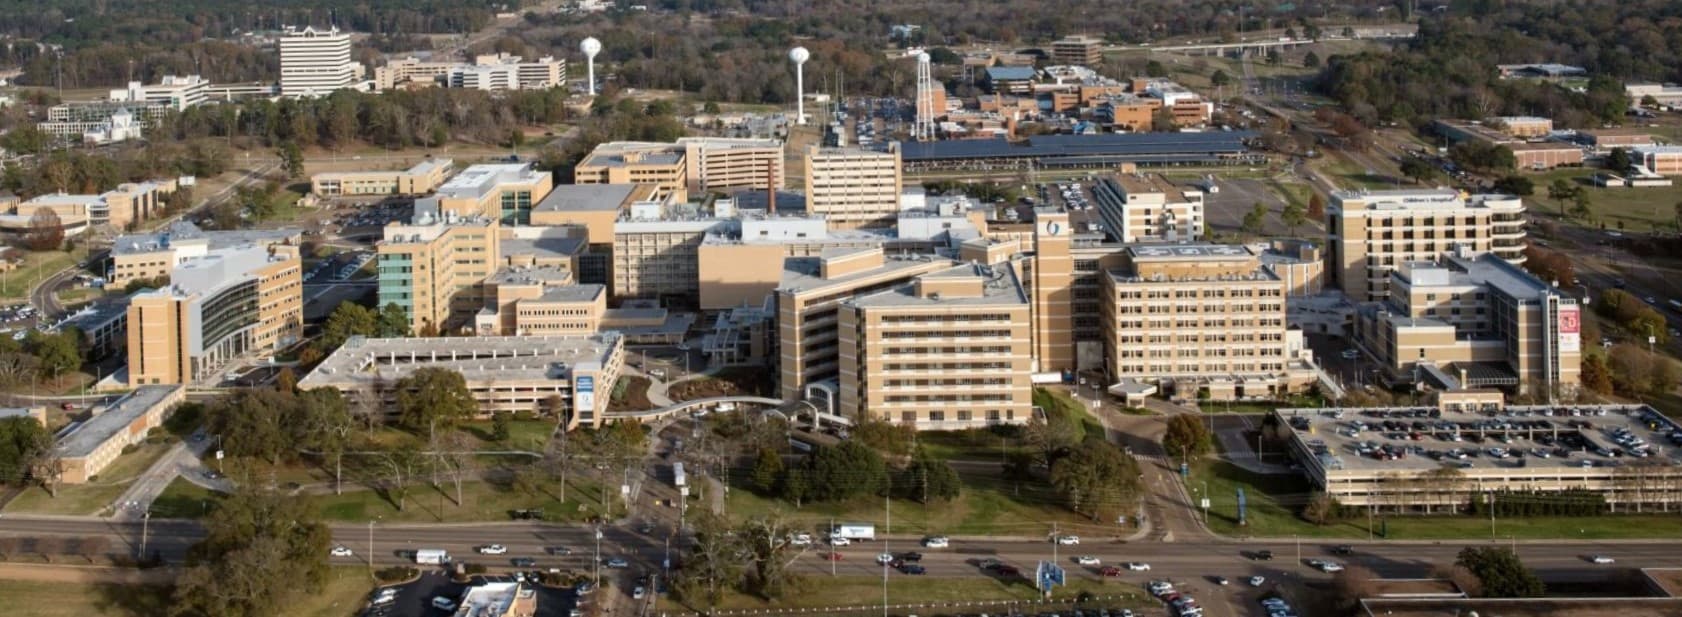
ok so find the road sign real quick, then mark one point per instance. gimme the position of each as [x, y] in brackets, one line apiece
[218, 455]
[1205, 503]
[1047, 575]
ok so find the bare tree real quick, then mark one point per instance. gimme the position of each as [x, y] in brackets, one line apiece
[399, 468]
[368, 405]
[46, 231]
[8, 547]
[457, 458]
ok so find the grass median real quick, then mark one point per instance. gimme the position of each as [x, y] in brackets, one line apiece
[848, 594]
[94, 496]
[346, 591]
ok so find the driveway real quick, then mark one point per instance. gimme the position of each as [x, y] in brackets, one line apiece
[415, 599]
[183, 459]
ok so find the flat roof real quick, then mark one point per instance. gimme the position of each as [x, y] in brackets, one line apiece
[529, 276]
[183, 231]
[98, 314]
[1658, 149]
[1536, 146]
[478, 180]
[1356, 439]
[1150, 183]
[1010, 73]
[612, 154]
[116, 418]
[999, 286]
[1158, 253]
[1488, 269]
[586, 198]
[216, 270]
[803, 274]
[1114, 144]
[363, 360]
[543, 246]
[573, 293]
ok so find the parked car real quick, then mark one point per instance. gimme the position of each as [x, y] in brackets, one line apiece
[1257, 581]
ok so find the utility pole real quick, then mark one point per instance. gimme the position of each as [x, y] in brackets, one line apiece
[370, 547]
[832, 546]
[597, 575]
[145, 524]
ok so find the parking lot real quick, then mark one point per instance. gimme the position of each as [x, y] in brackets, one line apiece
[1224, 209]
[414, 599]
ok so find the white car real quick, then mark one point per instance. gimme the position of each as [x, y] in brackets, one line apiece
[1331, 566]
[885, 558]
[1602, 559]
[936, 542]
[1068, 540]
[800, 539]
[1257, 581]
[493, 549]
[1087, 560]
[1138, 566]
[444, 604]
[341, 551]
[839, 541]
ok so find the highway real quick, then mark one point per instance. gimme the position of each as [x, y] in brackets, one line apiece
[1186, 560]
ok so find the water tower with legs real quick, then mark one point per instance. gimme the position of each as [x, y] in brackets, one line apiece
[799, 56]
[591, 47]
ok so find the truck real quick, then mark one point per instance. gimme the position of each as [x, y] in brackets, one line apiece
[432, 556]
[678, 479]
[854, 531]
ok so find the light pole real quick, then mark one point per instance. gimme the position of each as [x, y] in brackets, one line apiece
[145, 524]
[370, 547]
[597, 575]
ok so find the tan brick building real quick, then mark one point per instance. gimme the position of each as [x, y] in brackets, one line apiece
[229, 304]
[1185, 318]
[434, 268]
[424, 177]
[1474, 321]
[1372, 232]
[96, 443]
[1082, 50]
[853, 188]
[947, 350]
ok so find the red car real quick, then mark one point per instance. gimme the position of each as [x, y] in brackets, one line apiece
[1110, 571]
[832, 556]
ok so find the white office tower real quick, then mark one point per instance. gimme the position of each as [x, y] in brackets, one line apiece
[923, 129]
[315, 62]
[799, 56]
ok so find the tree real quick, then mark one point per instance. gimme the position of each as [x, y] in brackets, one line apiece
[886, 436]
[291, 159]
[1187, 437]
[1096, 477]
[258, 423]
[347, 319]
[1162, 120]
[845, 471]
[433, 394]
[1597, 377]
[286, 380]
[1294, 216]
[1580, 205]
[499, 426]
[1311, 60]
[260, 551]
[767, 470]
[1418, 170]
[1515, 185]
[929, 478]
[1499, 572]
[1154, 68]
[393, 321]
[55, 353]
[1274, 57]
[1220, 78]
[1254, 219]
[714, 563]
[1316, 207]
[325, 428]
[1562, 190]
[46, 231]
[766, 542]
[1350, 586]
[1618, 160]
[23, 441]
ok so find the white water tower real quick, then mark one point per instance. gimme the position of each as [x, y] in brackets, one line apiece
[591, 47]
[799, 56]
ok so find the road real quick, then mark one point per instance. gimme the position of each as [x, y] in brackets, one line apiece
[182, 459]
[1185, 560]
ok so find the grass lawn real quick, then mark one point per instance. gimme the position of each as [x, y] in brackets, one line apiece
[1636, 209]
[345, 592]
[1348, 174]
[529, 435]
[1058, 400]
[483, 501]
[987, 505]
[183, 499]
[91, 498]
[16, 283]
[1272, 502]
[972, 444]
[820, 591]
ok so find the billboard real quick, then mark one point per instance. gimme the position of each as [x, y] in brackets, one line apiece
[1047, 575]
[1570, 329]
[584, 393]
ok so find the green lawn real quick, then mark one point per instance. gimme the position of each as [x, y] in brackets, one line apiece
[1350, 175]
[183, 499]
[528, 435]
[972, 444]
[91, 498]
[1272, 501]
[859, 591]
[1058, 400]
[346, 592]
[16, 283]
[1637, 209]
[482, 501]
[988, 505]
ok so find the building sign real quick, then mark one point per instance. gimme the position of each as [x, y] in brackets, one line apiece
[1570, 329]
[1053, 228]
[584, 393]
